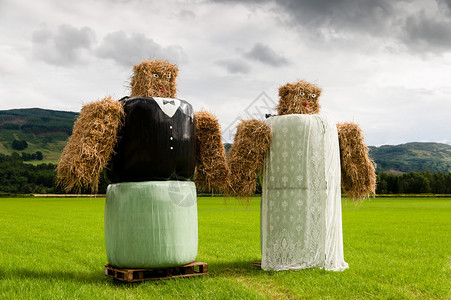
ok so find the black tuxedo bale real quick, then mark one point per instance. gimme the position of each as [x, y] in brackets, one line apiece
[157, 141]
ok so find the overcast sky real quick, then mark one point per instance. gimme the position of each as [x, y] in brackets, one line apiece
[385, 65]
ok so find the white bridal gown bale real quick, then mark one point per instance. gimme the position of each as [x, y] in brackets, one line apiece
[301, 200]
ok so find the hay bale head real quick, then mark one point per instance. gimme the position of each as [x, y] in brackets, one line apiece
[91, 145]
[299, 98]
[358, 176]
[154, 78]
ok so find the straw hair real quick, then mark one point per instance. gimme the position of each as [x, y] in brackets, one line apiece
[299, 97]
[246, 156]
[358, 178]
[212, 172]
[91, 145]
[154, 78]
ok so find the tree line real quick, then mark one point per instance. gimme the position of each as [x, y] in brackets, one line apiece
[414, 183]
[18, 177]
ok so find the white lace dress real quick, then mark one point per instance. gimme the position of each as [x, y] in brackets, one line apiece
[301, 200]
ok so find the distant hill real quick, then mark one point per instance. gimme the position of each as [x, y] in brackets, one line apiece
[43, 130]
[47, 131]
[412, 157]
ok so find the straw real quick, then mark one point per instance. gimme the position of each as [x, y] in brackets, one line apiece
[91, 145]
[292, 102]
[212, 172]
[246, 156]
[154, 78]
[358, 178]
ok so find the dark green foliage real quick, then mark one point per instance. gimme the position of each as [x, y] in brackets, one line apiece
[19, 144]
[413, 183]
[37, 121]
[10, 126]
[39, 155]
[32, 156]
[17, 177]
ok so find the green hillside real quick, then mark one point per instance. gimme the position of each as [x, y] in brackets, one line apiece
[47, 131]
[412, 157]
[43, 130]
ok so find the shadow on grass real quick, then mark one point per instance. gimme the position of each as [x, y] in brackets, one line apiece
[248, 269]
[94, 277]
[233, 267]
[81, 277]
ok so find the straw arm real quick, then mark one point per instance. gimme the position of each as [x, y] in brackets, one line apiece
[358, 177]
[212, 172]
[246, 156]
[90, 146]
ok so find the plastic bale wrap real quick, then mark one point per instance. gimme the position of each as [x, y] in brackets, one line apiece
[151, 224]
[212, 172]
[246, 156]
[357, 169]
[91, 145]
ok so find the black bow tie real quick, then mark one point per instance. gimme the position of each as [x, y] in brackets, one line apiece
[168, 101]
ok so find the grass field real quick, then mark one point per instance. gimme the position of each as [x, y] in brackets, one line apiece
[396, 248]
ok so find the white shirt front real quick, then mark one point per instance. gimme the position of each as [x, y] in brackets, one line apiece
[168, 105]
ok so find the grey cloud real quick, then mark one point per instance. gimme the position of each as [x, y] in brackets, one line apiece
[340, 14]
[187, 14]
[423, 33]
[393, 22]
[234, 65]
[446, 3]
[63, 47]
[266, 55]
[384, 19]
[129, 50]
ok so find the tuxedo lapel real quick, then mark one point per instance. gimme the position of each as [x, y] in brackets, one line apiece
[168, 105]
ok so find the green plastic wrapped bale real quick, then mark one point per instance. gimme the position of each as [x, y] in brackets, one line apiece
[151, 224]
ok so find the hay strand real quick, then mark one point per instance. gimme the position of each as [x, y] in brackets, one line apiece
[246, 156]
[91, 145]
[358, 177]
[212, 172]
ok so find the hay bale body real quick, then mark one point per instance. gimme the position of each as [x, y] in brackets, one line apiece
[212, 172]
[246, 156]
[358, 176]
[154, 78]
[91, 145]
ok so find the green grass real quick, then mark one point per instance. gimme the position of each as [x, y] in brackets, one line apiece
[396, 248]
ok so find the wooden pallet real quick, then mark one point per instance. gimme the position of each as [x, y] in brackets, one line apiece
[137, 275]
[257, 264]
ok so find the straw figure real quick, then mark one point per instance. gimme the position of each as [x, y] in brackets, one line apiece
[253, 138]
[98, 135]
[304, 159]
[152, 145]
